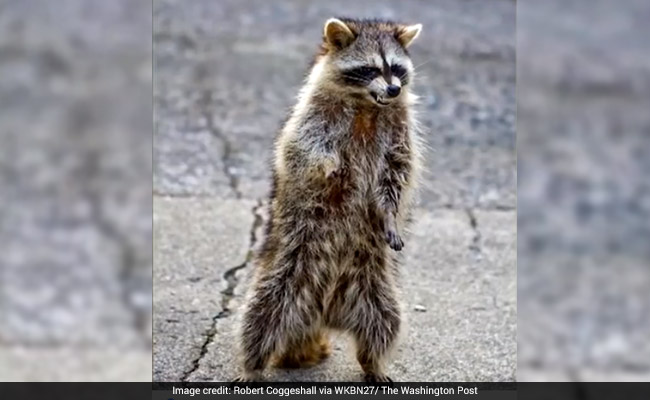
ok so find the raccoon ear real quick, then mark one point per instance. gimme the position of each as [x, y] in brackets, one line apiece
[337, 33]
[407, 34]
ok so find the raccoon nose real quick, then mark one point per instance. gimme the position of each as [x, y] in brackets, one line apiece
[393, 90]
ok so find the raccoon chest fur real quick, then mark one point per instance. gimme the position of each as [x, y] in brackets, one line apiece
[364, 125]
[363, 146]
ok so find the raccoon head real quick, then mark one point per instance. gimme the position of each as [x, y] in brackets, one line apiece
[368, 59]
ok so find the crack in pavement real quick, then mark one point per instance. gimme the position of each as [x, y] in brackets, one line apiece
[233, 179]
[475, 246]
[230, 276]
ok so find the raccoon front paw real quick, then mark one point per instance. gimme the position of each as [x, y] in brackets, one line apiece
[331, 167]
[394, 240]
[332, 174]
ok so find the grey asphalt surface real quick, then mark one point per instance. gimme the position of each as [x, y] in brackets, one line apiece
[75, 168]
[224, 78]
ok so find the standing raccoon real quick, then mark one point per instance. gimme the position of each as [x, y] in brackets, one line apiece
[344, 170]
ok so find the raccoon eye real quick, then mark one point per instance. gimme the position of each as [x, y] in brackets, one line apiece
[359, 76]
[365, 72]
[398, 70]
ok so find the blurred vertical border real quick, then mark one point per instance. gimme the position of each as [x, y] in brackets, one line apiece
[75, 178]
[75, 170]
[583, 129]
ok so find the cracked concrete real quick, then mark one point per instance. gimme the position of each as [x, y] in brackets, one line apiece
[196, 243]
[225, 144]
[221, 92]
[230, 276]
[466, 82]
[231, 279]
[475, 247]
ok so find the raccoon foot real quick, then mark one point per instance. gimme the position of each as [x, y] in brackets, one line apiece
[371, 377]
[394, 240]
[247, 377]
[305, 355]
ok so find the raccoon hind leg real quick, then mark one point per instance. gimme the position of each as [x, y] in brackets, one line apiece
[375, 312]
[310, 351]
[283, 310]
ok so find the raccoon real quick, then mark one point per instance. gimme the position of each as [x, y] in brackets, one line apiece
[345, 167]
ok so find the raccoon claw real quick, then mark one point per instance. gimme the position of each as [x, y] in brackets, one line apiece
[332, 168]
[394, 240]
[243, 379]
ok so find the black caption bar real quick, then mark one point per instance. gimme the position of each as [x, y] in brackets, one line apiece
[270, 390]
[277, 390]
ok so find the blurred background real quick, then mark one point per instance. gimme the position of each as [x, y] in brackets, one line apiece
[75, 172]
[583, 147]
[225, 75]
